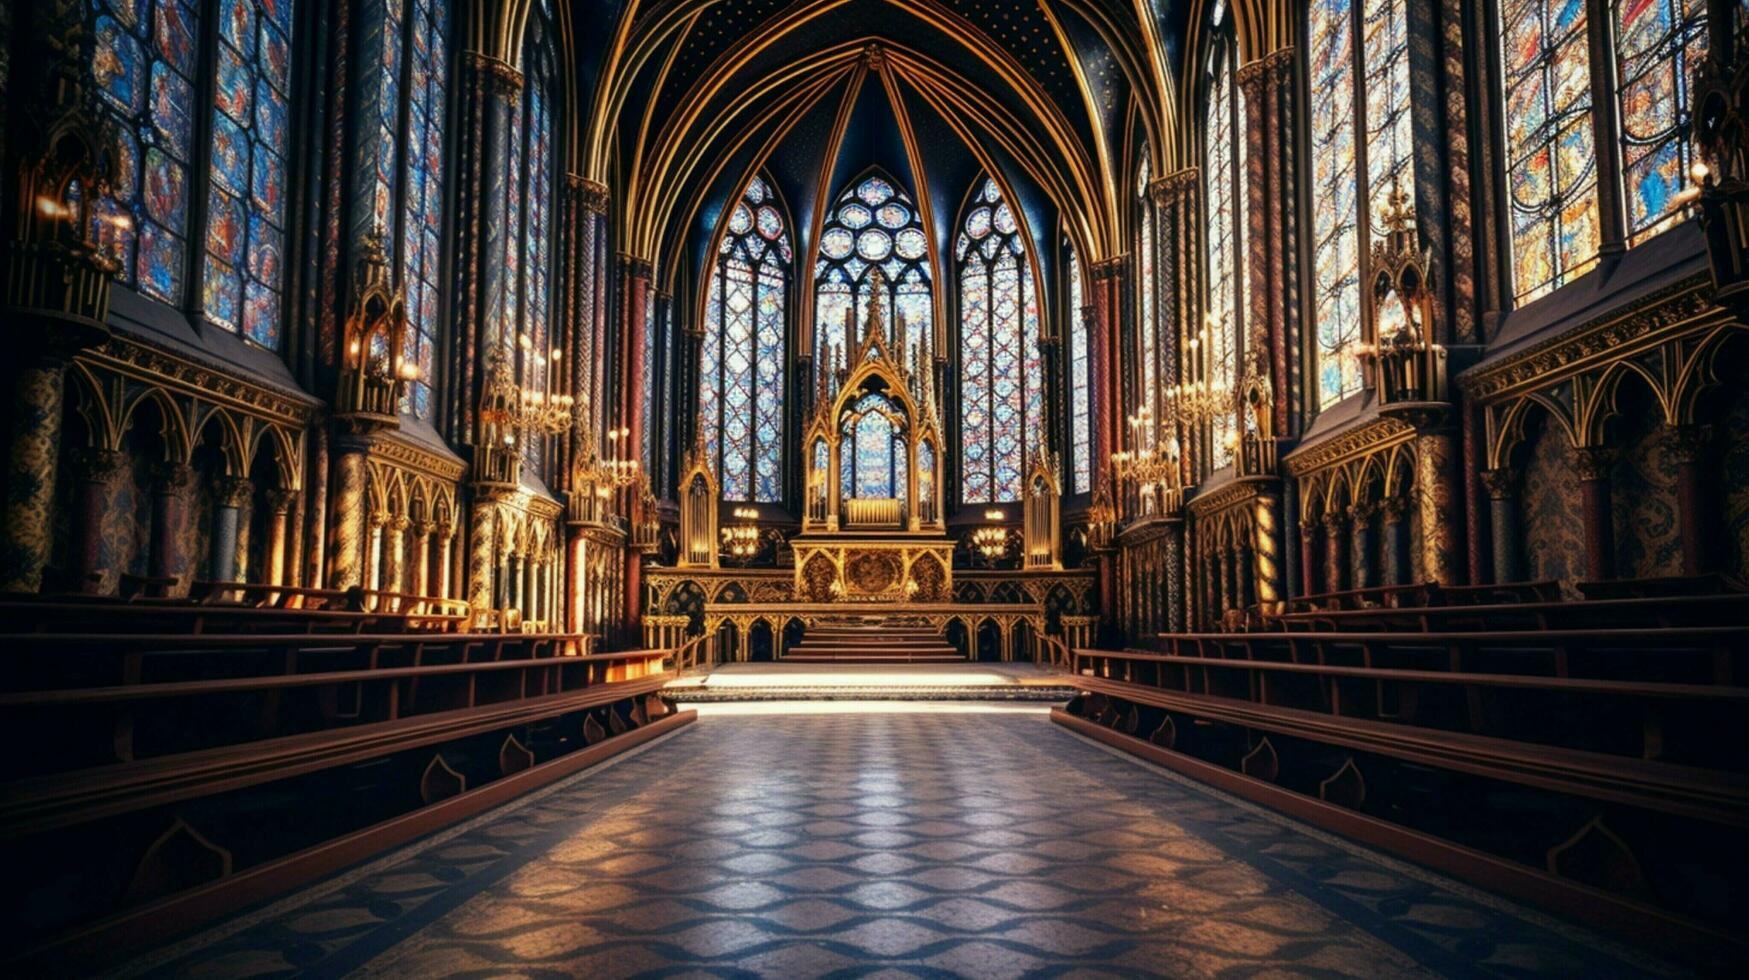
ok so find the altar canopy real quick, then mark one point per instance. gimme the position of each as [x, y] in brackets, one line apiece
[875, 435]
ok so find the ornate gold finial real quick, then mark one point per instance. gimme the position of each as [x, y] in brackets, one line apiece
[1399, 211]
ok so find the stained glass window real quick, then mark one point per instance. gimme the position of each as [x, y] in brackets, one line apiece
[1080, 382]
[1344, 37]
[1147, 325]
[1001, 376]
[242, 286]
[530, 252]
[1220, 353]
[1551, 157]
[874, 223]
[741, 367]
[143, 68]
[422, 188]
[1659, 46]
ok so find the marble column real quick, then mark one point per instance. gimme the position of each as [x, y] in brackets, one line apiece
[96, 472]
[279, 505]
[1436, 493]
[394, 554]
[1395, 514]
[347, 526]
[1502, 487]
[25, 534]
[230, 494]
[445, 538]
[481, 558]
[421, 571]
[513, 599]
[171, 484]
[1592, 464]
[1686, 448]
[1336, 553]
[373, 571]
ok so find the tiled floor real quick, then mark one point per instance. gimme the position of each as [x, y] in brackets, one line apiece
[985, 844]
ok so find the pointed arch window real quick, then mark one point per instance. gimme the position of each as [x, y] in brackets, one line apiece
[1224, 158]
[1001, 376]
[242, 285]
[1659, 46]
[1147, 323]
[874, 222]
[144, 69]
[1359, 81]
[741, 364]
[529, 251]
[1080, 380]
[422, 179]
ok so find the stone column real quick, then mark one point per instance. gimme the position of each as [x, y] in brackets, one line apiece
[171, 483]
[95, 474]
[1396, 544]
[513, 597]
[229, 495]
[1267, 578]
[445, 538]
[373, 572]
[1224, 597]
[481, 557]
[394, 554]
[1592, 465]
[1335, 552]
[421, 577]
[1361, 517]
[1437, 496]
[1502, 487]
[1309, 555]
[1686, 447]
[25, 533]
[346, 529]
[279, 504]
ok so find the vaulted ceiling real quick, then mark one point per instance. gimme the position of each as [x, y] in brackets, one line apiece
[689, 98]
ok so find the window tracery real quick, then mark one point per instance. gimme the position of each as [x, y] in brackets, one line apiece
[1001, 375]
[874, 223]
[741, 364]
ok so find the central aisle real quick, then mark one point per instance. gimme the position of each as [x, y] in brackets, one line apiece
[972, 840]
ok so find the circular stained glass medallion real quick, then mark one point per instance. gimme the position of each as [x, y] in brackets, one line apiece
[978, 223]
[893, 215]
[770, 222]
[837, 243]
[873, 245]
[855, 216]
[741, 220]
[911, 244]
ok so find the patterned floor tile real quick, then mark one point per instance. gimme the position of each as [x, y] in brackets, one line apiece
[887, 844]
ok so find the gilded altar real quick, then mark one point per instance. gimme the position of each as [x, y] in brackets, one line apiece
[857, 570]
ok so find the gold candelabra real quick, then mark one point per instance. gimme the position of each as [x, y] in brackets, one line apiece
[1153, 466]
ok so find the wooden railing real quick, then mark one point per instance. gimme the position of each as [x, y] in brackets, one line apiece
[697, 652]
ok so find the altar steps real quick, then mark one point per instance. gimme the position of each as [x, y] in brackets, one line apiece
[871, 643]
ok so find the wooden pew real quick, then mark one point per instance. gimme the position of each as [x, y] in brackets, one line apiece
[1707, 610]
[315, 751]
[1425, 594]
[1545, 765]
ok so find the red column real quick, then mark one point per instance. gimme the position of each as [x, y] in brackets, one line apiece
[1687, 446]
[634, 292]
[1107, 404]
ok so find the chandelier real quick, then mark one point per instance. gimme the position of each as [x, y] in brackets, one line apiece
[741, 541]
[991, 541]
[516, 411]
[1153, 466]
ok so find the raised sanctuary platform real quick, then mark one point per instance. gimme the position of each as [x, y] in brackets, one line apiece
[871, 682]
